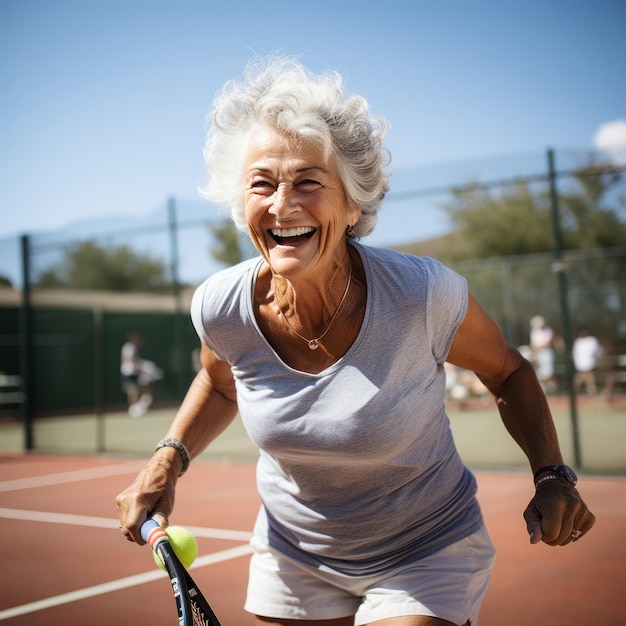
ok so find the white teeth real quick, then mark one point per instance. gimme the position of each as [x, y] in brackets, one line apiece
[292, 232]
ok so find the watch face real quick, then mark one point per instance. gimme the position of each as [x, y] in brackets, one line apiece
[567, 473]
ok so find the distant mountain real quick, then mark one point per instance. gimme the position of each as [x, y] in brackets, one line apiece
[412, 213]
[149, 234]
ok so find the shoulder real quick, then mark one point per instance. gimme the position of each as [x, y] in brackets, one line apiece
[221, 302]
[228, 280]
[233, 273]
[389, 256]
[388, 264]
[222, 292]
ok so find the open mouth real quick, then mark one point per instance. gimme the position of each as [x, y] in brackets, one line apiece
[291, 235]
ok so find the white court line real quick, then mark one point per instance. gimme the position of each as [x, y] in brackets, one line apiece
[103, 522]
[72, 476]
[108, 522]
[116, 585]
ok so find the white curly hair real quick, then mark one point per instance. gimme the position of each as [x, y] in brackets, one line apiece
[281, 94]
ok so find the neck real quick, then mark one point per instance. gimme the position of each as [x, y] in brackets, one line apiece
[310, 310]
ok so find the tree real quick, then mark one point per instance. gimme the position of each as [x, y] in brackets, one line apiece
[592, 209]
[226, 249]
[503, 243]
[518, 220]
[492, 223]
[115, 268]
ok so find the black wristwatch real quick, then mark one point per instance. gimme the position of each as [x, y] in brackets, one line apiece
[562, 472]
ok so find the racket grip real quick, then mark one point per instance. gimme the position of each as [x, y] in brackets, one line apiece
[151, 532]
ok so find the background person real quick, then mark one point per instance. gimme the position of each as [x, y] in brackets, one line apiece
[333, 353]
[586, 351]
[137, 376]
[542, 351]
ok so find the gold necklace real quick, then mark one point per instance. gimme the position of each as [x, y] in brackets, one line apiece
[314, 343]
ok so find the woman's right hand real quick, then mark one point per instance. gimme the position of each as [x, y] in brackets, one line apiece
[209, 406]
[150, 495]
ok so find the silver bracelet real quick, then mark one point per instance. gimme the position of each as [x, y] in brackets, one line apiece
[180, 448]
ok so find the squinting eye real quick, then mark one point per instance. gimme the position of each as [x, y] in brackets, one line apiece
[262, 187]
[308, 185]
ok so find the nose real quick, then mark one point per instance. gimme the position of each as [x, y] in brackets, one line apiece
[282, 200]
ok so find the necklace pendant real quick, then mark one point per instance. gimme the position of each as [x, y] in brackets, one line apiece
[313, 345]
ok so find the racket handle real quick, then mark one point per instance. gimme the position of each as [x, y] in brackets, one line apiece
[151, 532]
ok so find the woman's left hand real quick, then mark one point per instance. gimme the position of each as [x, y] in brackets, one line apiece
[557, 515]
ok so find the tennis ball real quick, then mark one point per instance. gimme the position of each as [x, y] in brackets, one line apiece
[184, 544]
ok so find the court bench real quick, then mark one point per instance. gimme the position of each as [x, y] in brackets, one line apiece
[11, 389]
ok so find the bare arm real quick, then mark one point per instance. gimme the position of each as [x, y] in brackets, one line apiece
[480, 346]
[209, 406]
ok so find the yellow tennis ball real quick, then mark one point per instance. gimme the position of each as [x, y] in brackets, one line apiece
[184, 544]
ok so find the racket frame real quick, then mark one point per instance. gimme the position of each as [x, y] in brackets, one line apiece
[193, 608]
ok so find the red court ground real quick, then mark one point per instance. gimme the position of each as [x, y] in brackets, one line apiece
[63, 560]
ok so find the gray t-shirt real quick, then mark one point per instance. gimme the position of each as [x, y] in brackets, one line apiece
[358, 471]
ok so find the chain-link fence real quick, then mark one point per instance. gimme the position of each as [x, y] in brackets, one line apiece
[63, 344]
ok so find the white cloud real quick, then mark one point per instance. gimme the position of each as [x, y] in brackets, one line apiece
[611, 138]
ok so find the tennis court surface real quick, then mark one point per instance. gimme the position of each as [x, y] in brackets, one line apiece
[63, 560]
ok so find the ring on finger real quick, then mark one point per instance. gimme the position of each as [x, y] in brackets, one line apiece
[576, 534]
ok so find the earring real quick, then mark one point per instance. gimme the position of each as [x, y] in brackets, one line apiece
[350, 231]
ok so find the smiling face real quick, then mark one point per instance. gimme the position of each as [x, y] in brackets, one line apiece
[296, 208]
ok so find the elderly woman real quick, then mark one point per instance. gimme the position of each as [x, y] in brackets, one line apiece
[333, 353]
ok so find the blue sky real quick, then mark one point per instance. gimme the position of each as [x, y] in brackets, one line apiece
[103, 102]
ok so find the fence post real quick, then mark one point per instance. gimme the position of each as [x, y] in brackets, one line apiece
[26, 346]
[173, 229]
[99, 371]
[560, 268]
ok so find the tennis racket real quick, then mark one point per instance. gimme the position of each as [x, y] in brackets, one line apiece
[193, 609]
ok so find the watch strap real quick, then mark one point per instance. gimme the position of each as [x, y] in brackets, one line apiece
[541, 470]
[545, 478]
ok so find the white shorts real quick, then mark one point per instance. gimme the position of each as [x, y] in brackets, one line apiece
[449, 584]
